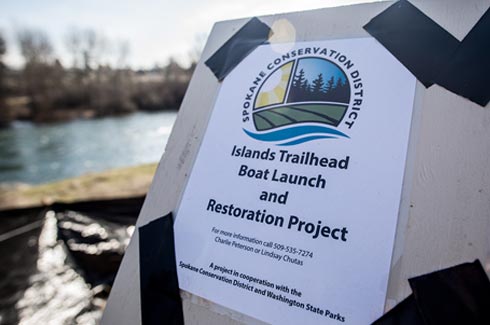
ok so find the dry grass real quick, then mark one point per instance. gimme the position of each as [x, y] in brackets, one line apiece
[116, 183]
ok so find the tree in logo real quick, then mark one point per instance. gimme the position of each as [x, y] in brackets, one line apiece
[317, 92]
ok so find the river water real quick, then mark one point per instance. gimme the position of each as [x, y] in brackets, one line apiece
[36, 154]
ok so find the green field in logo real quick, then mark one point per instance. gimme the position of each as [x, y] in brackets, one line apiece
[306, 90]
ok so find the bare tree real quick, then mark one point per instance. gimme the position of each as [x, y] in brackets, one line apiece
[196, 49]
[94, 83]
[35, 46]
[73, 43]
[42, 73]
[86, 47]
[94, 46]
[122, 54]
[3, 47]
[89, 47]
[5, 115]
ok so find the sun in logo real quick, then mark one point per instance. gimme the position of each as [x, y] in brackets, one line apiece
[273, 91]
[302, 99]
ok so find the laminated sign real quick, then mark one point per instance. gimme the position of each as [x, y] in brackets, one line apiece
[290, 212]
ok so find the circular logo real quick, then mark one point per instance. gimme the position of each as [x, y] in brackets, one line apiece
[299, 101]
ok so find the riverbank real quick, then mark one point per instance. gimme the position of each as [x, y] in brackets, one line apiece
[111, 184]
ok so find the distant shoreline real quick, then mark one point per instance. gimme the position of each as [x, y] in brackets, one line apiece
[18, 110]
[44, 92]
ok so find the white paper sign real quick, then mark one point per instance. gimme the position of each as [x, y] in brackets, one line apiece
[290, 212]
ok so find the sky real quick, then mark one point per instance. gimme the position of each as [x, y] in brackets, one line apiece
[155, 30]
[312, 67]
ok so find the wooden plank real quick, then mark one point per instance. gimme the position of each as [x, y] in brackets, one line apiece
[444, 217]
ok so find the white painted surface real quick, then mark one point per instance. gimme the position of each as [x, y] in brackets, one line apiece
[445, 209]
[359, 200]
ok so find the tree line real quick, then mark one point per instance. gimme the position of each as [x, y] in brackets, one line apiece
[331, 90]
[97, 82]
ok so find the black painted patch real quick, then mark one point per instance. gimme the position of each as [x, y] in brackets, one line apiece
[247, 39]
[468, 71]
[456, 295]
[405, 313]
[160, 298]
[432, 54]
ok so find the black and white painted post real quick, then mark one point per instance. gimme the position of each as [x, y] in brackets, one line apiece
[310, 172]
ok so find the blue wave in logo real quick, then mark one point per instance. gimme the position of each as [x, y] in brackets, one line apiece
[305, 139]
[302, 131]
